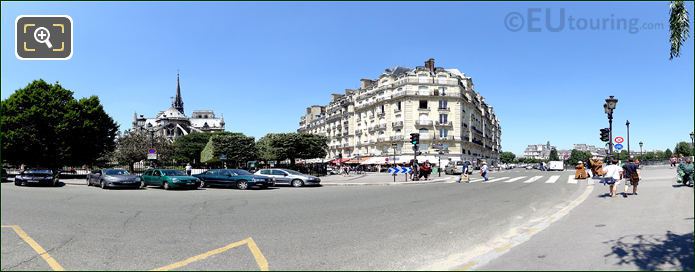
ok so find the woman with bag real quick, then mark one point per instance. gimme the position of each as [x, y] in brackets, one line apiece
[612, 176]
[483, 171]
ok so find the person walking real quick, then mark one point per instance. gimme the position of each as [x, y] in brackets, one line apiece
[189, 169]
[612, 175]
[483, 171]
[673, 161]
[631, 175]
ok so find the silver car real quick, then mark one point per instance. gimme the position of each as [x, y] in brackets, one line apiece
[289, 177]
[110, 178]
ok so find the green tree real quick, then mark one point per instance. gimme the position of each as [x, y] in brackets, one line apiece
[132, 147]
[507, 157]
[237, 147]
[667, 154]
[553, 155]
[292, 146]
[683, 148]
[623, 155]
[44, 125]
[679, 26]
[577, 155]
[187, 148]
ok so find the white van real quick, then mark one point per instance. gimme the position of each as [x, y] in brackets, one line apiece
[556, 166]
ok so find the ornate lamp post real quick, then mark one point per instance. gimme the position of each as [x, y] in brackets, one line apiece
[692, 141]
[640, 150]
[608, 107]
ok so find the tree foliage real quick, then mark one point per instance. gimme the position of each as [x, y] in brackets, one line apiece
[237, 147]
[679, 26]
[683, 148]
[132, 147]
[187, 148]
[668, 153]
[577, 155]
[292, 146]
[507, 157]
[553, 155]
[44, 125]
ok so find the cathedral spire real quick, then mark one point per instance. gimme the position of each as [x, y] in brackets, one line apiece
[178, 101]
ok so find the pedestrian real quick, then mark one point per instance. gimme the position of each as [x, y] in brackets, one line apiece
[580, 173]
[189, 169]
[673, 161]
[425, 169]
[612, 175]
[631, 175]
[483, 171]
[685, 171]
[588, 169]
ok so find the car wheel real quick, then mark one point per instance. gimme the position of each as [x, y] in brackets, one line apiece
[203, 184]
[17, 183]
[242, 185]
[166, 186]
[102, 184]
[143, 184]
[297, 183]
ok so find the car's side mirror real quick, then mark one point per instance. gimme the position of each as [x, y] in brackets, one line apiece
[285, 174]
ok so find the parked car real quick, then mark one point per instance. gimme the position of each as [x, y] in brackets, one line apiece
[169, 179]
[241, 179]
[456, 168]
[332, 171]
[530, 167]
[37, 177]
[109, 178]
[289, 177]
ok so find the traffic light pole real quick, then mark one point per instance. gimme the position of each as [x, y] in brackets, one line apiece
[610, 133]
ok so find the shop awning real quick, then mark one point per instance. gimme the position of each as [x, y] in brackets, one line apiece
[356, 160]
[376, 160]
[339, 161]
[420, 159]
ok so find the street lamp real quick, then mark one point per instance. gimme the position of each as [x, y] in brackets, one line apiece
[692, 141]
[394, 145]
[439, 163]
[627, 123]
[608, 107]
[640, 150]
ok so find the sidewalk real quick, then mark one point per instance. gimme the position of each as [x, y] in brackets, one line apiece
[383, 179]
[649, 231]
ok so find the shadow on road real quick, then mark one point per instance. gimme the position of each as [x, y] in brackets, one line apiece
[655, 252]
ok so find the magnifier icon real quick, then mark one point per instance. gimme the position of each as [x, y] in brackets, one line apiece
[42, 35]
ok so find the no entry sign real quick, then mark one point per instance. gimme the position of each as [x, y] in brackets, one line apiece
[619, 140]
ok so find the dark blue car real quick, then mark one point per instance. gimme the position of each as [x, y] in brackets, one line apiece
[241, 179]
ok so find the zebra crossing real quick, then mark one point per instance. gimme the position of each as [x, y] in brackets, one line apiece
[531, 179]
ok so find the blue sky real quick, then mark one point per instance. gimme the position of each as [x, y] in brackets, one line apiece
[262, 64]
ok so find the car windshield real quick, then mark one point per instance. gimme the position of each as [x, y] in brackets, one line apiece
[240, 172]
[116, 172]
[173, 173]
[292, 172]
[37, 171]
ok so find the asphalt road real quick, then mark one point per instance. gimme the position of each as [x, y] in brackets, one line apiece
[427, 226]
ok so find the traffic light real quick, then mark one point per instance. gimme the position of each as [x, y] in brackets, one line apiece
[415, 138]
[605, 135]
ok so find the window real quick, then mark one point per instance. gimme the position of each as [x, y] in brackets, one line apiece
[265, 172]
[382, 109]
[442, 90]
[443, 132]
[443, 104]
[423, 104]
[443, 118]
[424, 131]
[277, 173]
[398, 105]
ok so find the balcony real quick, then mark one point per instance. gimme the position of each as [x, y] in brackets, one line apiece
[443, 109]
[397, 124]
[423, 109]
[371, 129]
[358, 131]
[423, 122]
[345, 133]
[381, 127]
[381, 115]
[396, 110]
[448, 138]
[445, 124]
[381, 138]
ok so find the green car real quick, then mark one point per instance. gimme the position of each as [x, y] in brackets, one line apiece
[169, 179]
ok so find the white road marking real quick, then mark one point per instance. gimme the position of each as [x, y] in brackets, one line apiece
[496, 179]
[515, 179]
[553, 179]
[571, 180]
[533, 179]
[591, 181]
[475, 180]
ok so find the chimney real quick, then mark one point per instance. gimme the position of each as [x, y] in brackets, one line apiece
[429, 64]
[365, 83]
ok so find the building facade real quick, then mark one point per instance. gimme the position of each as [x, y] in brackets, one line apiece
[453, 120]
[173, 122]
[538, 151]
[595, 151]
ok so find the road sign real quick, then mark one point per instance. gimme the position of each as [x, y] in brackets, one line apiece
[152, 156]
[223, 157]
[619, 140]
[618, 147]
[400, 170]
[152, 151]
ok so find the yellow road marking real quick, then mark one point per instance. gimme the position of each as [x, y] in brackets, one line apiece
[468, 265]
[26, 25]
[503, 248]
[260, 259]
[38, 248]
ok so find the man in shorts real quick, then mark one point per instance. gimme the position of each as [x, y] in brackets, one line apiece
[612, 175]
[631, 175]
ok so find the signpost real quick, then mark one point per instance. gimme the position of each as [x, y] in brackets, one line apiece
[619, 140]
[152, 154]
[618, 147]
[400, 170]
